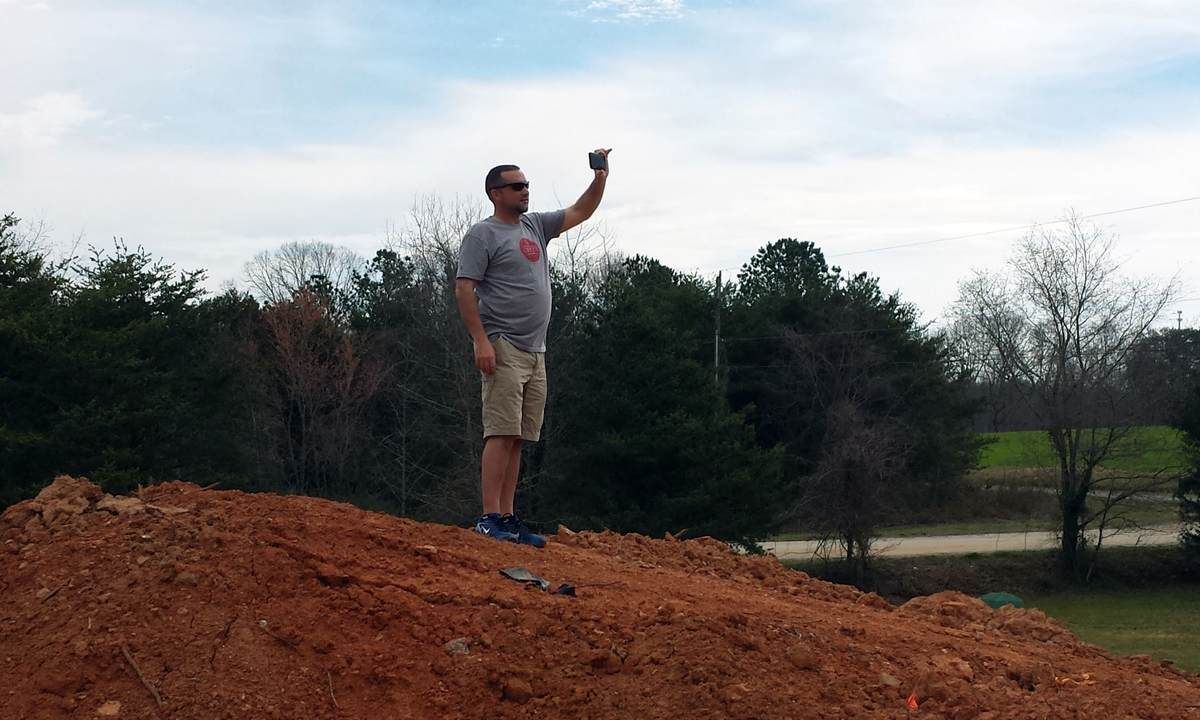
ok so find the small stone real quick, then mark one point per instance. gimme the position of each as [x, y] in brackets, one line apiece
[889, 680]
[458, 646]
[187, 577]
[141, 560]
[112, 708]
[517, 690]
[426, 551]
[44, 593]
[565, 531]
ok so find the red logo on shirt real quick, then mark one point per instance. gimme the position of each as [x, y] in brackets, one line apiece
[530, 250]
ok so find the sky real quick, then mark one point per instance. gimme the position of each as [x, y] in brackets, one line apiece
[209, 131]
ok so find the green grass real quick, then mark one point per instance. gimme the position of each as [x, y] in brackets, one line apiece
[1144, 450]
[1161, 623]
[969, 527]
[1144, 512]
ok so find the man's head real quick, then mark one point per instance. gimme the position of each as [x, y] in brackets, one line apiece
[507, 188]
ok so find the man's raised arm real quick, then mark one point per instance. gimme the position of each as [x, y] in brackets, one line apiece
[588, 201]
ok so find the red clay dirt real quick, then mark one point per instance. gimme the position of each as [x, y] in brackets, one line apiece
[182, 602]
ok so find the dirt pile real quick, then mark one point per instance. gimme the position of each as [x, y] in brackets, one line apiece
[191, 603]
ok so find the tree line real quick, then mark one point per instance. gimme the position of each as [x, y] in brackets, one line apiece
[793, 394]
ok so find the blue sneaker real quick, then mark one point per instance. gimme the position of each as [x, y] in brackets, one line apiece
[492, 525]
[513, 524]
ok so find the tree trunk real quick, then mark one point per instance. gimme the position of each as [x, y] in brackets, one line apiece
[1070, 560]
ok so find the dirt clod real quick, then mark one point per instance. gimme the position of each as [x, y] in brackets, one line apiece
[517, 690]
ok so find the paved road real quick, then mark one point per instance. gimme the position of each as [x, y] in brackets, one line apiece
[981, 543]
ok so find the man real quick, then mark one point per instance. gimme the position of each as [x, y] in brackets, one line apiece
[503, 293]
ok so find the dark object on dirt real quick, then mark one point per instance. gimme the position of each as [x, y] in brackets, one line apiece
[522, 575]
[565, 589]
[997, 600]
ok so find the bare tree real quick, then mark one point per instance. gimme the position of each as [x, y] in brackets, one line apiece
[276, 275]
[314, 383]
[437, 437]
[853, 484]
[1058, 329]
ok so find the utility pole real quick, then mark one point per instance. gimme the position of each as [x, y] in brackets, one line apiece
[1178, 319]
[717, 336]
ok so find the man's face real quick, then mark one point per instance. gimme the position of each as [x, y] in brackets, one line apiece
[511, 198]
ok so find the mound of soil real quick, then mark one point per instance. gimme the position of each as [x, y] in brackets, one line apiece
[182, 602]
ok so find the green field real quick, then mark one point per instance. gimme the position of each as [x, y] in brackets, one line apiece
[1045, 517]
[1145, 450]
[1161, 623]
[1012, 491]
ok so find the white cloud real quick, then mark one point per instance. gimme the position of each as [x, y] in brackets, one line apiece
[44, 121]
[610, 10]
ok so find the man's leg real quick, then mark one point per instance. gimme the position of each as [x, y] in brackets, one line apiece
[533, 404]
[494, 472]
[509, 490]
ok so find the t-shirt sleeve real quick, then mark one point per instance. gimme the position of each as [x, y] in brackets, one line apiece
[472, 257]
[551, 223]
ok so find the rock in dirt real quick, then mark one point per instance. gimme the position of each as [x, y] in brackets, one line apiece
[458, 646]
[112, 708]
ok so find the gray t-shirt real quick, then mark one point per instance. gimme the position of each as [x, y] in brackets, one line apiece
[510, 264]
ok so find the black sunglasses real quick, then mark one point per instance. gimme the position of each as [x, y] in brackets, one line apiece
[518, 186]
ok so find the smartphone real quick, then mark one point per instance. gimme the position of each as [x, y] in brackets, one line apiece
[596, 161]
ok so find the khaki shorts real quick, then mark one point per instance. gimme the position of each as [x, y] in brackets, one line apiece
[514, 396]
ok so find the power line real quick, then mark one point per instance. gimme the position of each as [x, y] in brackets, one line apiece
[1029, 226]
[986, 233]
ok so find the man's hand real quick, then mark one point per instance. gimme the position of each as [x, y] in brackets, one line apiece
[604, 152]
[485, 356]
[587, 203]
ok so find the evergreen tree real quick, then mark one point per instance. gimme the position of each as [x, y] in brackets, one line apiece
[653, 445]
[874, 418]
[31, 344]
